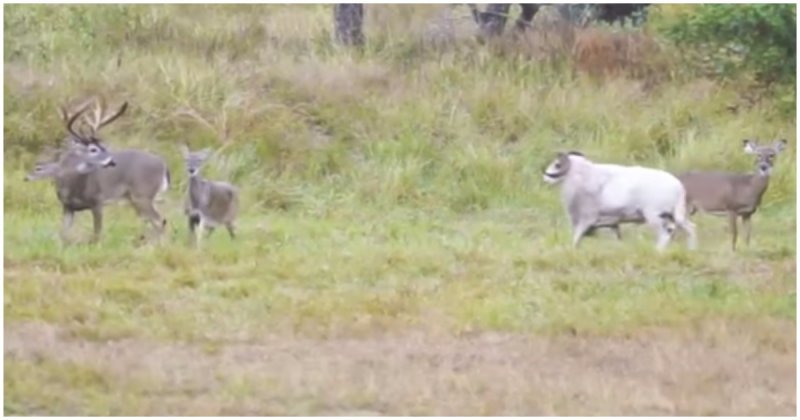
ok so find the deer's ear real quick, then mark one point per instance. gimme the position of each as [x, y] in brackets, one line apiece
[780, 145]
[749, 147]
[205, 153]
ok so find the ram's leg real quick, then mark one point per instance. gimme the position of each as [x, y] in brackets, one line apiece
[582, 224]
[578, 231]
[664, 226]
[691, 234]
[618, 232]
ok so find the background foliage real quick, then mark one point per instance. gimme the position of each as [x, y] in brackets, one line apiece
[759, 38]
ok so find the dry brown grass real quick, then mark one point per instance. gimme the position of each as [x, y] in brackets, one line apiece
[716, 368]
[598, 52]
[602, 53]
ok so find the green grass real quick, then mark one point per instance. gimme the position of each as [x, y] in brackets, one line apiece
[383, 191]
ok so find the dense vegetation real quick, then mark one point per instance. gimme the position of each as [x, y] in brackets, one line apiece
[389, 190]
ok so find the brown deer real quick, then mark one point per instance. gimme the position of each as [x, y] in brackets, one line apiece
[733, 194]
[88, 176]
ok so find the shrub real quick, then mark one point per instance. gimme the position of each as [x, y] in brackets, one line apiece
[757, 38]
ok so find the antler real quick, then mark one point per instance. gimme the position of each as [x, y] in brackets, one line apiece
[69, 119]
[99, 121]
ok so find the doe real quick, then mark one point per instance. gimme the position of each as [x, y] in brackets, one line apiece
[209, 203]
[733, 194]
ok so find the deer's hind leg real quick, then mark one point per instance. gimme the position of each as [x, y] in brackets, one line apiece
[146, 210]
[664, 226]
[231, 229]
[746, 224]
[66, 223]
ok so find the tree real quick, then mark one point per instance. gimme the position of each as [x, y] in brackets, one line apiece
[348, 21]
[492, 21]
[349, 18]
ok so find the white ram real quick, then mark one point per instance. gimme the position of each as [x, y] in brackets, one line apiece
[596, 195]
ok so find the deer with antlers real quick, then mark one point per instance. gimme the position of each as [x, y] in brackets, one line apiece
[88, 176]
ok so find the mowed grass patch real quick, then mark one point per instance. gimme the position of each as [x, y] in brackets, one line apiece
[410, 373]
[304, 275]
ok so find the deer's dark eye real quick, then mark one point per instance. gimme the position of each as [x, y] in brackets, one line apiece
[558, 166]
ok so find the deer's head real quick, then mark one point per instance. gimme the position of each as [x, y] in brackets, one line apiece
[90, 145]
[194, 160]
[765, 155]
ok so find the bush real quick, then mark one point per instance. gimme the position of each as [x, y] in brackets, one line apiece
[758, 38]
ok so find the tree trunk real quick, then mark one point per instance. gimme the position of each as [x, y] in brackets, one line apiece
[526, 16]
[348, 20]
[493, 20]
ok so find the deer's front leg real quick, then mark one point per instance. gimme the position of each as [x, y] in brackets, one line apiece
[732, 220]
[198, 233]
[97, 218]
[66, 223]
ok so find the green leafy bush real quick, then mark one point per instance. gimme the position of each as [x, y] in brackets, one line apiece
[759, 38]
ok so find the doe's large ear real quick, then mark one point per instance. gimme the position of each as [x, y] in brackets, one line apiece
[46, 169]
[749, 146]
[205, 153]
[779, 145]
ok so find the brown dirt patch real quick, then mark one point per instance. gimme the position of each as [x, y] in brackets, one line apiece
[719, 368]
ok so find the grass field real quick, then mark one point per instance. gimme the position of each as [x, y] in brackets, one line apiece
[398, 251]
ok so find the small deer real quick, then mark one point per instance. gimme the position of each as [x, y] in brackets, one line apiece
[88, 176]
[208, 203]
[733, 194]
